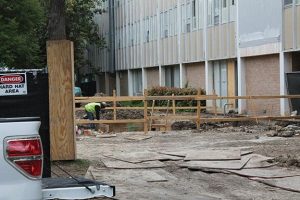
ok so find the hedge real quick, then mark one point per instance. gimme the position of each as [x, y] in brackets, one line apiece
[168, 91]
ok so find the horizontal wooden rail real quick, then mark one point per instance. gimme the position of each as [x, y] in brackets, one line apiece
[118, 121]
[194, 116]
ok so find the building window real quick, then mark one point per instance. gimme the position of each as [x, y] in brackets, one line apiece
[166, 25]
[172, 76]
[225, 11]
[194, 19]
[188, 17]
[232, 2]
[210, 12]
[288, 2]
[224, 3]
[137, 80]
[216, 12]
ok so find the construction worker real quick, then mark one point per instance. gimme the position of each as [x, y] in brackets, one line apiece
[93, 111]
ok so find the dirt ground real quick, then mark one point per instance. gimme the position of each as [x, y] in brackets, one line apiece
[183, 183]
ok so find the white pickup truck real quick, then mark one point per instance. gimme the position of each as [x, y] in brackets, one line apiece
[21, 166]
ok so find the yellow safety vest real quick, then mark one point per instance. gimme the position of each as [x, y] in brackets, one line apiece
[90, 107]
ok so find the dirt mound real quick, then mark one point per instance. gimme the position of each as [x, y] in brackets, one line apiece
[122, 114]
[183, 125]
[288, 161]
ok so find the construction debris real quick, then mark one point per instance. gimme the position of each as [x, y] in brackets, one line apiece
[138, 137]
[214, 154]
[139, 157]
[289, 130]
[117, 164]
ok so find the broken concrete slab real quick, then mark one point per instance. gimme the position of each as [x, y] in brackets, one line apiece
[117, 164]
[224, 164]
[259, 161]
[138, 157]
[183, 153]
[146, 184]
[288, 183]
[130, 175]
[214, 154]
[271, 172]
[138, 137]
[106, 135]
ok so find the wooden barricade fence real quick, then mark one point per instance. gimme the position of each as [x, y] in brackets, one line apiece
[196, 117]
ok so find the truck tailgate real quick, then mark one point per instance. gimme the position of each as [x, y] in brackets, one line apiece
[69, 188]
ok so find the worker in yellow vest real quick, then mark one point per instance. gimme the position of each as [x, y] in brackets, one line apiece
[93, 111]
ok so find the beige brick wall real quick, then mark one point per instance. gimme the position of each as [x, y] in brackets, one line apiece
[195, 75]
[123, 83]
[152, 77]
[262, 78]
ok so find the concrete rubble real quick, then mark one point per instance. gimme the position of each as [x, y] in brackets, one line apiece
[155, 166]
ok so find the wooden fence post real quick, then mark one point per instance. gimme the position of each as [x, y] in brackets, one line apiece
[174, 105]
[60, 61]
[145, 112]
[114, 105]
[215, 103]
[198, 109]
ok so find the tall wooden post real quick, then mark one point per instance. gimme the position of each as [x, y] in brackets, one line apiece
[60, 60]
[198, 109]
[145, 112]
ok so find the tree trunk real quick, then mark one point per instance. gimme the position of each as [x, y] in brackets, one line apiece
[57, 22]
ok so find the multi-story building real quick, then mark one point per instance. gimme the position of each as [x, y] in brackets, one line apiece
[230, 47]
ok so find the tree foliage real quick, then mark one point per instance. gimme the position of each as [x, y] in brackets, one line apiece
[24, 30]
[19, 26]
[81, 28]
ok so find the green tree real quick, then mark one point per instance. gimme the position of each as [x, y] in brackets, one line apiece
[82, 29]
[19, 27]
[79, 25]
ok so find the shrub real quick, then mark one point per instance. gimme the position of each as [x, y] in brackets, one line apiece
[168, 91]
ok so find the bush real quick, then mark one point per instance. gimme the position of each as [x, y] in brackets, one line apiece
[168, 91]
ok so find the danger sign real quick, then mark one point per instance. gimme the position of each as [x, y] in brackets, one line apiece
[13, 84]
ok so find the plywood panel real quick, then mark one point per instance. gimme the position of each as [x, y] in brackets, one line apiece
[298, 26]
[288, 28]
[60, 60]
[152, 77]
[231, 81]
[195, 75]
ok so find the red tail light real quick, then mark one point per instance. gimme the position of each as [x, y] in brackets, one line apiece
[30, 147]
[32, 167]
[26, 155]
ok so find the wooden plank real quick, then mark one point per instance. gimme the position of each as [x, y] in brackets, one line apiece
[173, 105]
[124, 121]
[142, 108]
[187, 97]
[145, 112]
[174, 117]
[114, 105]
[231, 82]
[198, 110]
[60, 61]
